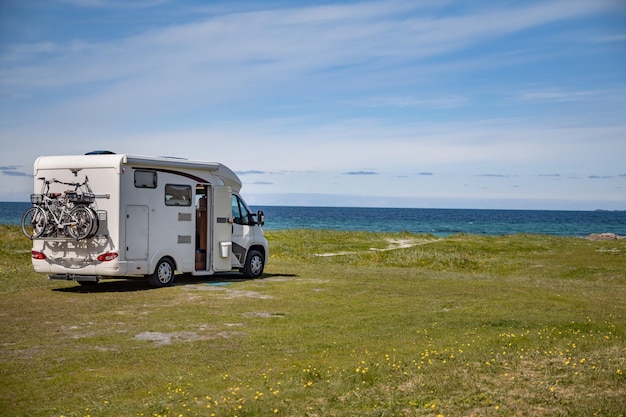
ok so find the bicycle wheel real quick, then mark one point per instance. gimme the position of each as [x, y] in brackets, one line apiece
[81, 223]
[34, 222]
[96, 221]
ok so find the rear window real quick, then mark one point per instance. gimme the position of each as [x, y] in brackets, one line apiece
[145, 178]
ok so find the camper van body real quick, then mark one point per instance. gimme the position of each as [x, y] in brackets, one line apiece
[155, 215]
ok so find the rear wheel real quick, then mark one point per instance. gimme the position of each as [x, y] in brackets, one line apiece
[95, 221]
[163, 275]
[34, 222]
[253, 268]
[81, 222]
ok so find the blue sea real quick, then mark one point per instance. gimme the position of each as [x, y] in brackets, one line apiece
[440, 222]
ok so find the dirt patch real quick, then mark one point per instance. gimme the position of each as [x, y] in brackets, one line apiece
[334, 253]
[249, 294]
[228, 292]
[399, 244]
[393, 244]
[263, 314]
[162, 339]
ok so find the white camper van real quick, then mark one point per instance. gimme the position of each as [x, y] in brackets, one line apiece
[144, 216]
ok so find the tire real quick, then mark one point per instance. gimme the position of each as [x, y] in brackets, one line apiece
[163, 275]
[34, 222]
[82, 222]
[96, 222]
[255, 262]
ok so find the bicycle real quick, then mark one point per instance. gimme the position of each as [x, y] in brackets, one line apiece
[57, 213]
[82, 196]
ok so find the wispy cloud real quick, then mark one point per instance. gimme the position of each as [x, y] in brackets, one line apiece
[360, 173]
[250, 172]
[444, 102]
[621, 37]
[308, 93]
[616, 94]
[12, 171]
[557, 96]
[117, 4]
[564, 96]
[256, 47]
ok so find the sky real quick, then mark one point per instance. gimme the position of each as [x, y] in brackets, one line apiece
[431, 104]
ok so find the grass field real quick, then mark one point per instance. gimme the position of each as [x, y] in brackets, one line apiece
[342, 324]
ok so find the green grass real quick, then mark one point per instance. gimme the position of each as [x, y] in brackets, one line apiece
[342, 324]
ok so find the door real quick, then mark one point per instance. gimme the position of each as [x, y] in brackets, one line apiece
[222, 229]
[202, 226]
[137, 232]
[243, 232]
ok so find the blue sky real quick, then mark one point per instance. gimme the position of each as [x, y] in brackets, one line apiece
[482, 104]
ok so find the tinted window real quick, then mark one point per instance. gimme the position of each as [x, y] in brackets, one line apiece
[145, 179]
[240, 211]
[177, 195]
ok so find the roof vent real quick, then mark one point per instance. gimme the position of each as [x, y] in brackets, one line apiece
[100, 153]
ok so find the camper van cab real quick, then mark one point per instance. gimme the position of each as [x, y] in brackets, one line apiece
[154, 216]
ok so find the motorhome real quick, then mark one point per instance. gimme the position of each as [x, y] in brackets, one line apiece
[154, 217]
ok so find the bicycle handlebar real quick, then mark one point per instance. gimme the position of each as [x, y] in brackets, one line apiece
[73, 184]
[76, 185]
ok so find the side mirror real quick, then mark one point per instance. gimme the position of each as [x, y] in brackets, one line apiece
[260, 218]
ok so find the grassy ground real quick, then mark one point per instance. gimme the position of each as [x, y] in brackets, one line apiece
[342, 324]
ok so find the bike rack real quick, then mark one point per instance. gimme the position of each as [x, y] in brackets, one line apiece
[55, 239]
[70, 201]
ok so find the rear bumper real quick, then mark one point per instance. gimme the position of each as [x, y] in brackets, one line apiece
[74, 277]
[56, 271]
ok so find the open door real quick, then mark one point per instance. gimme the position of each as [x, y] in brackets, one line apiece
[222, 228]
[202, 226]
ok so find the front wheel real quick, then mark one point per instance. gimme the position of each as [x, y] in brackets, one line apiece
[163, 275]
[34, 222]
[253, 268]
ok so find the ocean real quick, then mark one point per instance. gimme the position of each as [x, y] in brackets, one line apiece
[440, 222]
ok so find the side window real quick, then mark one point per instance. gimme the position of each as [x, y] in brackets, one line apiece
[145, 178]
[177, 195]
[240, 211]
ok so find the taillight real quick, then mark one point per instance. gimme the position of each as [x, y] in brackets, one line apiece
[108, 256]
[37, 255]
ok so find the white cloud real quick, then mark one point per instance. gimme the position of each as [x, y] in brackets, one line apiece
[276, 42]
[612, 38]
[116, 4]
[555, 95]
[448, 101]
[351, 145]
[394, 87]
